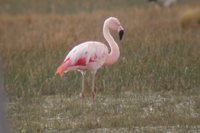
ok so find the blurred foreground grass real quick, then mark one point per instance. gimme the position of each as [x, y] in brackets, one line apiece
[154, 87]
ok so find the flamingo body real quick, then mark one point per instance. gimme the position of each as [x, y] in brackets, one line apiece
[86, 56]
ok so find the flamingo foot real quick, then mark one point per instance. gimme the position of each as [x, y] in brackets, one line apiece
[82, 95]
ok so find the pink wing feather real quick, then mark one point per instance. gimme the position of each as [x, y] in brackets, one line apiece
[80, 56]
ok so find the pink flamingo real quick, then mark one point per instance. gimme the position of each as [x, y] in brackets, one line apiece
[92, 55]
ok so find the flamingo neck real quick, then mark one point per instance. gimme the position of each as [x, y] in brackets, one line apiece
[114, 49]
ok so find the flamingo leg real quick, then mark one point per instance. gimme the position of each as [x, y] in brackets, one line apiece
[82, 94]
[93, 86]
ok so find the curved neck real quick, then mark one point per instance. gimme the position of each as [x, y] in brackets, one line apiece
[114, 49]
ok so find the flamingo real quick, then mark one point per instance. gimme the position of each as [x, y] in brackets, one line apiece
[91, 55]
[164, 3]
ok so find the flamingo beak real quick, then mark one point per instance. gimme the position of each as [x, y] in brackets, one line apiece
[121, 32]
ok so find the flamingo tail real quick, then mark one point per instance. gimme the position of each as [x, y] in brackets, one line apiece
[62, 68]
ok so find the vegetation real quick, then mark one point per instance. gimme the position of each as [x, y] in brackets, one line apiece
[190, 18]
[154, 87]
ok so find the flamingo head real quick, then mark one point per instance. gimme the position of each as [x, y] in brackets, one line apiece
[114, 24]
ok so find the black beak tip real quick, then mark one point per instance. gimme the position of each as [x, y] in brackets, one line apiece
[121, 33]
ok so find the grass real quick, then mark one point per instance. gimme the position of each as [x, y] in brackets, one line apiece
[154, 87]
[69, 6]
[63, 6]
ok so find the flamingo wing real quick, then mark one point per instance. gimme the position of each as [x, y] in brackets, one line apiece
[82, 55]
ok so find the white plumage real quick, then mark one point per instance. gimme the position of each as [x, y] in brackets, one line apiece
[88, 55]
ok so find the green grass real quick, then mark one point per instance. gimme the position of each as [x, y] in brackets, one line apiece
[154, 87]
[63, 6]
[69, 6]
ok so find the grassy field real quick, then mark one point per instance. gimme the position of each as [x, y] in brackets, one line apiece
[154, 87]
